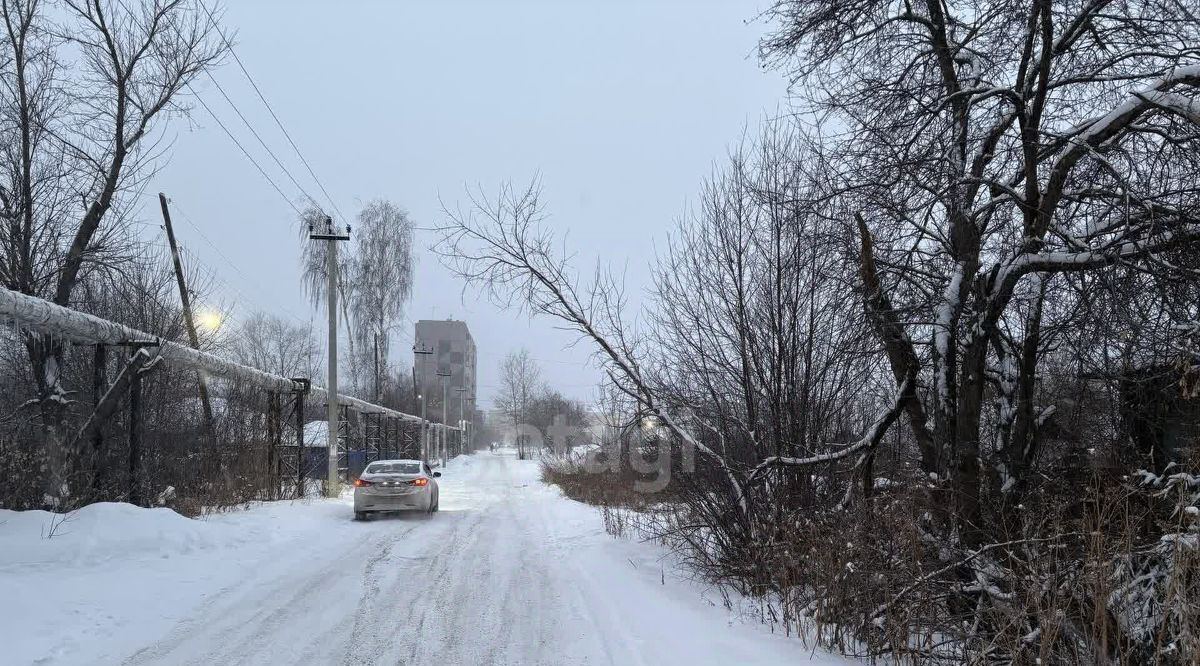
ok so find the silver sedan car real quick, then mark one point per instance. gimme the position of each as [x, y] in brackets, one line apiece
[395, 485]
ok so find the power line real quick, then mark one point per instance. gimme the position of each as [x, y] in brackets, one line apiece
[187, 218]
[262, 143]
[271, 110]
[243, 149]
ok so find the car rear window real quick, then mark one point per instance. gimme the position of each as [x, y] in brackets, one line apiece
[393, 468]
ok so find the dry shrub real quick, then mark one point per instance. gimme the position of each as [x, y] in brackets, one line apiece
[610, 489]
[1106, 574]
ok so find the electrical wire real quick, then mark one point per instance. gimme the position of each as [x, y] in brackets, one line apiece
[271, 110]
[262, 143]
[243, 149]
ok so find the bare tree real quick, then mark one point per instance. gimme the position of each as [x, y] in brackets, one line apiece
[997, 160]
[273, 344]
[500, 246]
[83, 102]
[990, 170]
[520, 383]
[558, 418]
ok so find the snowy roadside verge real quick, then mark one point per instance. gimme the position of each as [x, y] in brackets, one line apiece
[111, 574]
[664, 596]
[621, 515]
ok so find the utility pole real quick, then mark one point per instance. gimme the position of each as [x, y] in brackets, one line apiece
[445, 410]
[421, 391]
[187, 314]
[462, 419]
[471, 423]
[331, 391]
[520, 437]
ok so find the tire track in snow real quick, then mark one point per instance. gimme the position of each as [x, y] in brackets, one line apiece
[243, 624]
[506, 574]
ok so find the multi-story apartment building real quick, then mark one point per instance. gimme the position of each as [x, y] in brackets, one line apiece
[443, 363]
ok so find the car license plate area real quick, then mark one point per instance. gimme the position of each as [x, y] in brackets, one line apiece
[393, 487]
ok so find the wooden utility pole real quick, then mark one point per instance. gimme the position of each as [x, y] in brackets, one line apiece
[186, 299]
[331, 390]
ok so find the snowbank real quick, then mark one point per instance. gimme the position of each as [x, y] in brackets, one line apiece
[92, 585]
[99, 533]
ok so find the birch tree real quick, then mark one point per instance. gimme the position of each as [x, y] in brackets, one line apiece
[375, 270]
[383, 275]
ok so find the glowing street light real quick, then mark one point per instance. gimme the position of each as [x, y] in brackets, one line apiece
[210, 320]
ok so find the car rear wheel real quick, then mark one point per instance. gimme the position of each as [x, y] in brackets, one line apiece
[360, 515]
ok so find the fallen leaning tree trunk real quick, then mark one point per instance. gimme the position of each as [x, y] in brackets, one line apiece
[140, 361]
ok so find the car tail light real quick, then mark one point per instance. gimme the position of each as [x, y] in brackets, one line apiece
[419, 482]
[359, 483]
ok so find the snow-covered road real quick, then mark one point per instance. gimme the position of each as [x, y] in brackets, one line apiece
[509, 572]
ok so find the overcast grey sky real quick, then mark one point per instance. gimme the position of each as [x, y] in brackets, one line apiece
[622, 107]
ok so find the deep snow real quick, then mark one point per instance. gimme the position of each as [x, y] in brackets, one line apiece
[508, 572]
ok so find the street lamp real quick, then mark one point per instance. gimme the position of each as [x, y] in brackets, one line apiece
[210, 319]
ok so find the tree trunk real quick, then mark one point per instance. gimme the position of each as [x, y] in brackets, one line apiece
[901, 356]
[970, 404]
